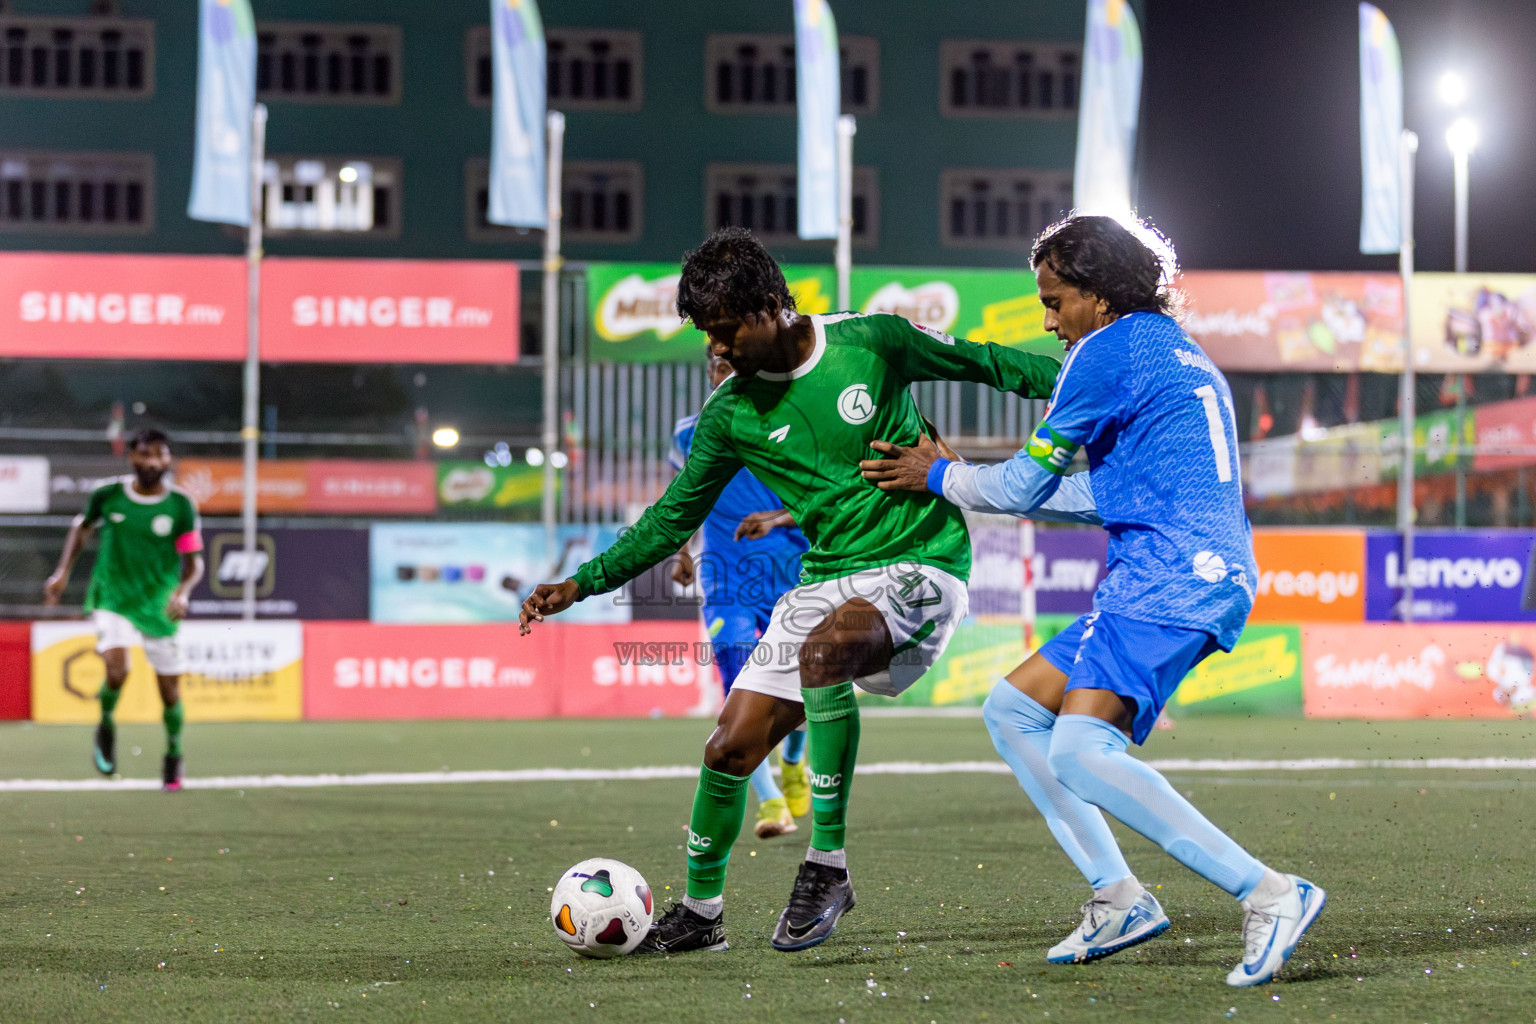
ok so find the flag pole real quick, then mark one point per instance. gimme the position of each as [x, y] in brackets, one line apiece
[552, 264]
[1408, 145]
[846, 128]
[249, 432]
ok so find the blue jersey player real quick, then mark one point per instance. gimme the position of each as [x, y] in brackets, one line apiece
[751, 556]
[1157, 421]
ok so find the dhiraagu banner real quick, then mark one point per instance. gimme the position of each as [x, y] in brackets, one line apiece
[633, 310]
[633, 306]
[1261, 676]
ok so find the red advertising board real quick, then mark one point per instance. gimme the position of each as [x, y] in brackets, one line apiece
[15, 670]
[360, 670]
[1506, 434]
[389, 311]
[393, 486]
[1430, 670]
[98, 306]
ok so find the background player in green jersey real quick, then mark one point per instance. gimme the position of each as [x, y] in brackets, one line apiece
[883, 584]
[148, 563]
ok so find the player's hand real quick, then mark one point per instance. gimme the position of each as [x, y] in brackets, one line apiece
[176, 607]
[546, 599]
[53, 589]
[682, 570]
[902, 469]
[759, 524]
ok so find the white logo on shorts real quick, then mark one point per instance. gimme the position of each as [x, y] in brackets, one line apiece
[161, 525]
[854, 405]
[1210, 566]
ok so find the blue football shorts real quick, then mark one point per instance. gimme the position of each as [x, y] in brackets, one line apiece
[733, 632]
[1140, 661]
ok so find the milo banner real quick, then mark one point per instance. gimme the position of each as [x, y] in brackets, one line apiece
[518, 487]
[236, 672]
[1474, 323]
[1260, 676]
[633, 312]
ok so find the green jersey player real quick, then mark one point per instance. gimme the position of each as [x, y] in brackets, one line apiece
[149, 561]
[882, 587]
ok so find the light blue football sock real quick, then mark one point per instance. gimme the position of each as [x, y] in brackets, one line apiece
[763, 786]
[793, 749]
[1021, 731]
[1089, 756]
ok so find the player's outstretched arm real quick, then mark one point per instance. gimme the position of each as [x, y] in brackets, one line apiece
[546, 599]
[74, 543]
[759, 524]
[920, 354]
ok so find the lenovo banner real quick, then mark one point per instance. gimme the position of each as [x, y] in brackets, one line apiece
[1419, 671]
[92, 306]
[1462, 576]
[389, 311]
[1309, 576]
[394, 487]
[299, 574]
[369, 671]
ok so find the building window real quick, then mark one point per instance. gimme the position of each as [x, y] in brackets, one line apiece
[986, 78]
[754, 72]
[96, 58]
[763, 198]
[332, 195]
[588, 68]
[321, 62]
[601, 202]
[987, 208]
[58, 193]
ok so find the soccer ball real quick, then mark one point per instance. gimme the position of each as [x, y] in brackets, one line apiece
[601, 908]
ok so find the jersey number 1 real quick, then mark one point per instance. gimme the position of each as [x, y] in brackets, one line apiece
[1219, 447]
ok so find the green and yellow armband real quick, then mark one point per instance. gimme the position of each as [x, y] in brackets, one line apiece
[1052, 451]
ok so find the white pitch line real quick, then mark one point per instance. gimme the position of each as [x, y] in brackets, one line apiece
[682, 771]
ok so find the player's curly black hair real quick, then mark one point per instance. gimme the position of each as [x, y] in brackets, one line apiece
[730, 274]
[148, 438]
[1102, 258]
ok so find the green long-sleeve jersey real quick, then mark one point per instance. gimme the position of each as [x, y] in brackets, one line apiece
[803, 433]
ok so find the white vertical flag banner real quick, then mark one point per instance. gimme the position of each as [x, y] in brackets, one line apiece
[1108, 107]
[1381, 126]
[818, 99]
[226, 94]
[517, 115]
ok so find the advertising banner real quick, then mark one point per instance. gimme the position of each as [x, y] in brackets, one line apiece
[996, 586]
[15, 671]
[300, 574]
[1110, 104]
[23, 483]
[1461, 576]
[1000, 306]
[1381, 125]
[476, 485]
[479, 572]
[236, 672]
[96, 306]
[818, 100]
[367, 671]
[226, 94]
[517, 114]
[389, 311]
[1068, 567]
[1506, 434]
[1474, 323]
[1260, 676]
[1254, 321]
[72, 478]
[393, 487]
[1419, 671]
[1309, 576]
[633, 311]
[977, 656]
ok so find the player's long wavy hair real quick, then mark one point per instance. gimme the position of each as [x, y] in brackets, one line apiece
[730, 274]
[1132, 271]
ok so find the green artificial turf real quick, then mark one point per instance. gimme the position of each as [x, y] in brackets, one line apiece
[430, 902]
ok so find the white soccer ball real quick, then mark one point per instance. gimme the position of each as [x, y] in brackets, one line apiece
[601, 908]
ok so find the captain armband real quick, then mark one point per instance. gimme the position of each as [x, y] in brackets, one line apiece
[1050, 450]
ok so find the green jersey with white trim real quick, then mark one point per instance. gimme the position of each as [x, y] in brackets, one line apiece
[803, 433]
[138, 566]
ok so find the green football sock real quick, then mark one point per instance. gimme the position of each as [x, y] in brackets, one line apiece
[719, 805]
[173, 717]
[832, 724]
[108, 698]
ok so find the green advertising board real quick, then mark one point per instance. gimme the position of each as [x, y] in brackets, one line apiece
[1435, 447]
[975, 658]
[1260, 676]
[517, 488]
[633, 315]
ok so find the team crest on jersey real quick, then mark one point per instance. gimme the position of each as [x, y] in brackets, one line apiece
[855, 405]
[161, 525]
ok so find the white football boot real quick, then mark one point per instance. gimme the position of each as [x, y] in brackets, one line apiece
[1106, 930]
[1270, 933]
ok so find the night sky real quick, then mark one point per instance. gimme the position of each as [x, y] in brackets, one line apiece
[1250, 148]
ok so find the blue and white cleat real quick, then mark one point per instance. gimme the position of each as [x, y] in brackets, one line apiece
[1270, 933]
[1106, 930]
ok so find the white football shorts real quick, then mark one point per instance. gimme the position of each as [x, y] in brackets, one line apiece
[114, 631]
[921, 605]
